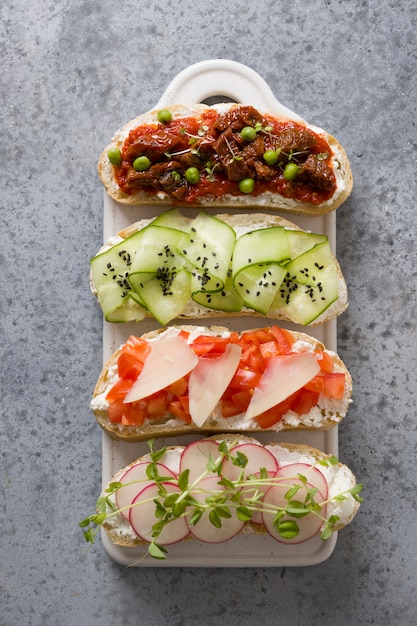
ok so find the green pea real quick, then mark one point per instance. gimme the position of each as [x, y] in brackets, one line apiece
[270, 157]
[141, 164]
[114, 156]
[192, 175]
[248, 133]
[246, 185]
[164, 116]
[290, 171]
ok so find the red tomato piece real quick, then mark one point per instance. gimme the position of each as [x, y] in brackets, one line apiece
[241, 399]
[326, 362]
[245, 379]
[268, 349]
[176, 408]
[119, 389]
[228, 408]
[304, 401]
[179, 388]
[157, 405]
[128, 366]
[316, 384]
[283, 339]
[334, 385]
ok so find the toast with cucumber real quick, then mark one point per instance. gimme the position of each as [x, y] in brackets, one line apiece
[226, 155]
[178, 267]
[214, 489]
[187, 380]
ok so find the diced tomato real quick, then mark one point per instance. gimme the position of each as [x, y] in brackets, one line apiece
[184, 334]
[176, 408]
[135, 413]
[228, 408]
[326, 362]
[115, 411]
[119, 389]
[334, 385]
[128, 366]
[179, 387]
[241, 399]
[304, 401]
[316, 384]
[157, 405]
[283, 339]
[268, 349]
[245, 379]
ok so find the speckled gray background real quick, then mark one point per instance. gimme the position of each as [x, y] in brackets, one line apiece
[71, 73]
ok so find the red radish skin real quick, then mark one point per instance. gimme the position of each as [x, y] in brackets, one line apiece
[142, 517]
[258, 458]
[135, 479]
[309, 526]
[312, 474]
[204, 530]
[195, 457]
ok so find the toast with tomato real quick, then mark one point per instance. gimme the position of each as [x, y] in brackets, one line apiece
[208, 380]
[225, 155]
[217, 488]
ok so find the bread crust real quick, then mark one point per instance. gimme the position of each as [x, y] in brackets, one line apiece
[271, 201]
[173, 427]
[127, 539]
[248, 222]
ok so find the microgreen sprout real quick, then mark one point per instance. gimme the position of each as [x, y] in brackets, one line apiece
[242, 496]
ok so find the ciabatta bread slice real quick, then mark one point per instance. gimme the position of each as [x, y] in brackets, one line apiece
[296, 197]
[341, 505]
[325, 414]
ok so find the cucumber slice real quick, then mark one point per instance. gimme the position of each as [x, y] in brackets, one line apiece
[165, 300]
[157, 251]
[257, 285]
[227, 299]
[301, 241]
[130, 311]
[310, 285]
[110, 270]
[173, 218]
[266, 245]
[208, 249]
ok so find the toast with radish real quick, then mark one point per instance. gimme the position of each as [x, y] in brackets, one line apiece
[206, 380]
[216, 488]
[226, 155]
[178, 267]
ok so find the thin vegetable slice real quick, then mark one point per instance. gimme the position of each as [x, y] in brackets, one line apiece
[283, 376]
[169, 360]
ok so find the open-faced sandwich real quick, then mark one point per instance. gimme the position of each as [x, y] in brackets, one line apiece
[198, 380]
[226, 155]
[214, 489]
[175, 266]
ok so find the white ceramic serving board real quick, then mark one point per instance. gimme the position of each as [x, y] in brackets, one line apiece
[202, 82]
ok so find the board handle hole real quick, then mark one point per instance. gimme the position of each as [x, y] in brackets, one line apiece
[217, 99]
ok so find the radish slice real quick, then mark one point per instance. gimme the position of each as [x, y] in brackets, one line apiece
[283, 376]
[204, 530]
[195, 457]
[169, 360]
[209, 380]
[134, 480]
[313, 475]
[258, 458]
[308, 526]
[142, 516]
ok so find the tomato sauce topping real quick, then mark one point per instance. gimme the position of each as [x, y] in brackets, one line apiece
[214, 154]
[258, 348]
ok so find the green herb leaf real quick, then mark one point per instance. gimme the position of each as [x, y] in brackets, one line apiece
[156, 551]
